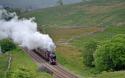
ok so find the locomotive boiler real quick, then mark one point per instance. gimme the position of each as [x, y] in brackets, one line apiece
[47, 55]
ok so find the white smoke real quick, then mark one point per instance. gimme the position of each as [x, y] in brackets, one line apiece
[24, 32]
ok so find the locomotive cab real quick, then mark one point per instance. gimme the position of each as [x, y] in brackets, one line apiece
[52, 58]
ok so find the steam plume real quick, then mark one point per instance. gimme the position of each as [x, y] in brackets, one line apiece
[23, 32]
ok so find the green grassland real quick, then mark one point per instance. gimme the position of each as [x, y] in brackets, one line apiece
[20, 60]
[95, 13]
[118, 74]
[108, 32]
[3, 65]
[72, 25]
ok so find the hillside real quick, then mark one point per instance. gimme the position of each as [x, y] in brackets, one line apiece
[72, 25]
[20, 60]
[95, 13]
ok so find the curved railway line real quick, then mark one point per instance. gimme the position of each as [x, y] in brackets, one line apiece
[56, 70]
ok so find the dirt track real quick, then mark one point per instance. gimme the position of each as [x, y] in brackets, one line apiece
[56, 70]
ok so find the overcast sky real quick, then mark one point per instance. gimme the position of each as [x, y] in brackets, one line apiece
[33, 3]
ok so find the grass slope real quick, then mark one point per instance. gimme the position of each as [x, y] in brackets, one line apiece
[118, 74]
[21, 59]
[3, 65]
[95, 13]
[72, 25]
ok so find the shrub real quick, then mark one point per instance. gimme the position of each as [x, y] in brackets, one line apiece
[21, 72]
[7, 45]
[89, 49]
[110, 55]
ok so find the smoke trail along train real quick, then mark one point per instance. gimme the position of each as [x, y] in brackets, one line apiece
[24, 32]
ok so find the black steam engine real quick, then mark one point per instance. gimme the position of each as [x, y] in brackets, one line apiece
[47, 55]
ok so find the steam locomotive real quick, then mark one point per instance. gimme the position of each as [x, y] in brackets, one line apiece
[47, 55]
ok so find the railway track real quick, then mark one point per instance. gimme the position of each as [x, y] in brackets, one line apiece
[56, 70]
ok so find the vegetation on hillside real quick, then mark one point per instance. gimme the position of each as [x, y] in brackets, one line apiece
[89, 50]
[7, 45]
[105, 13]
[3, 65]
[110, 54]
[71, 26]
[21, 64]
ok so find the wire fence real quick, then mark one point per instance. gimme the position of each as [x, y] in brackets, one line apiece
[9, 65]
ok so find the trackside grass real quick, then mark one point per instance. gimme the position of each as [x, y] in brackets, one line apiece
[3, 65]
[21, 59]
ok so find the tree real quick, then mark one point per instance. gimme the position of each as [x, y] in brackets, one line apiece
[89, 49]
[110, 55]
[7, 45]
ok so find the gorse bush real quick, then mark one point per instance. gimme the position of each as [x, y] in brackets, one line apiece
[110, 55]
[89, 49]
[7, 45]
